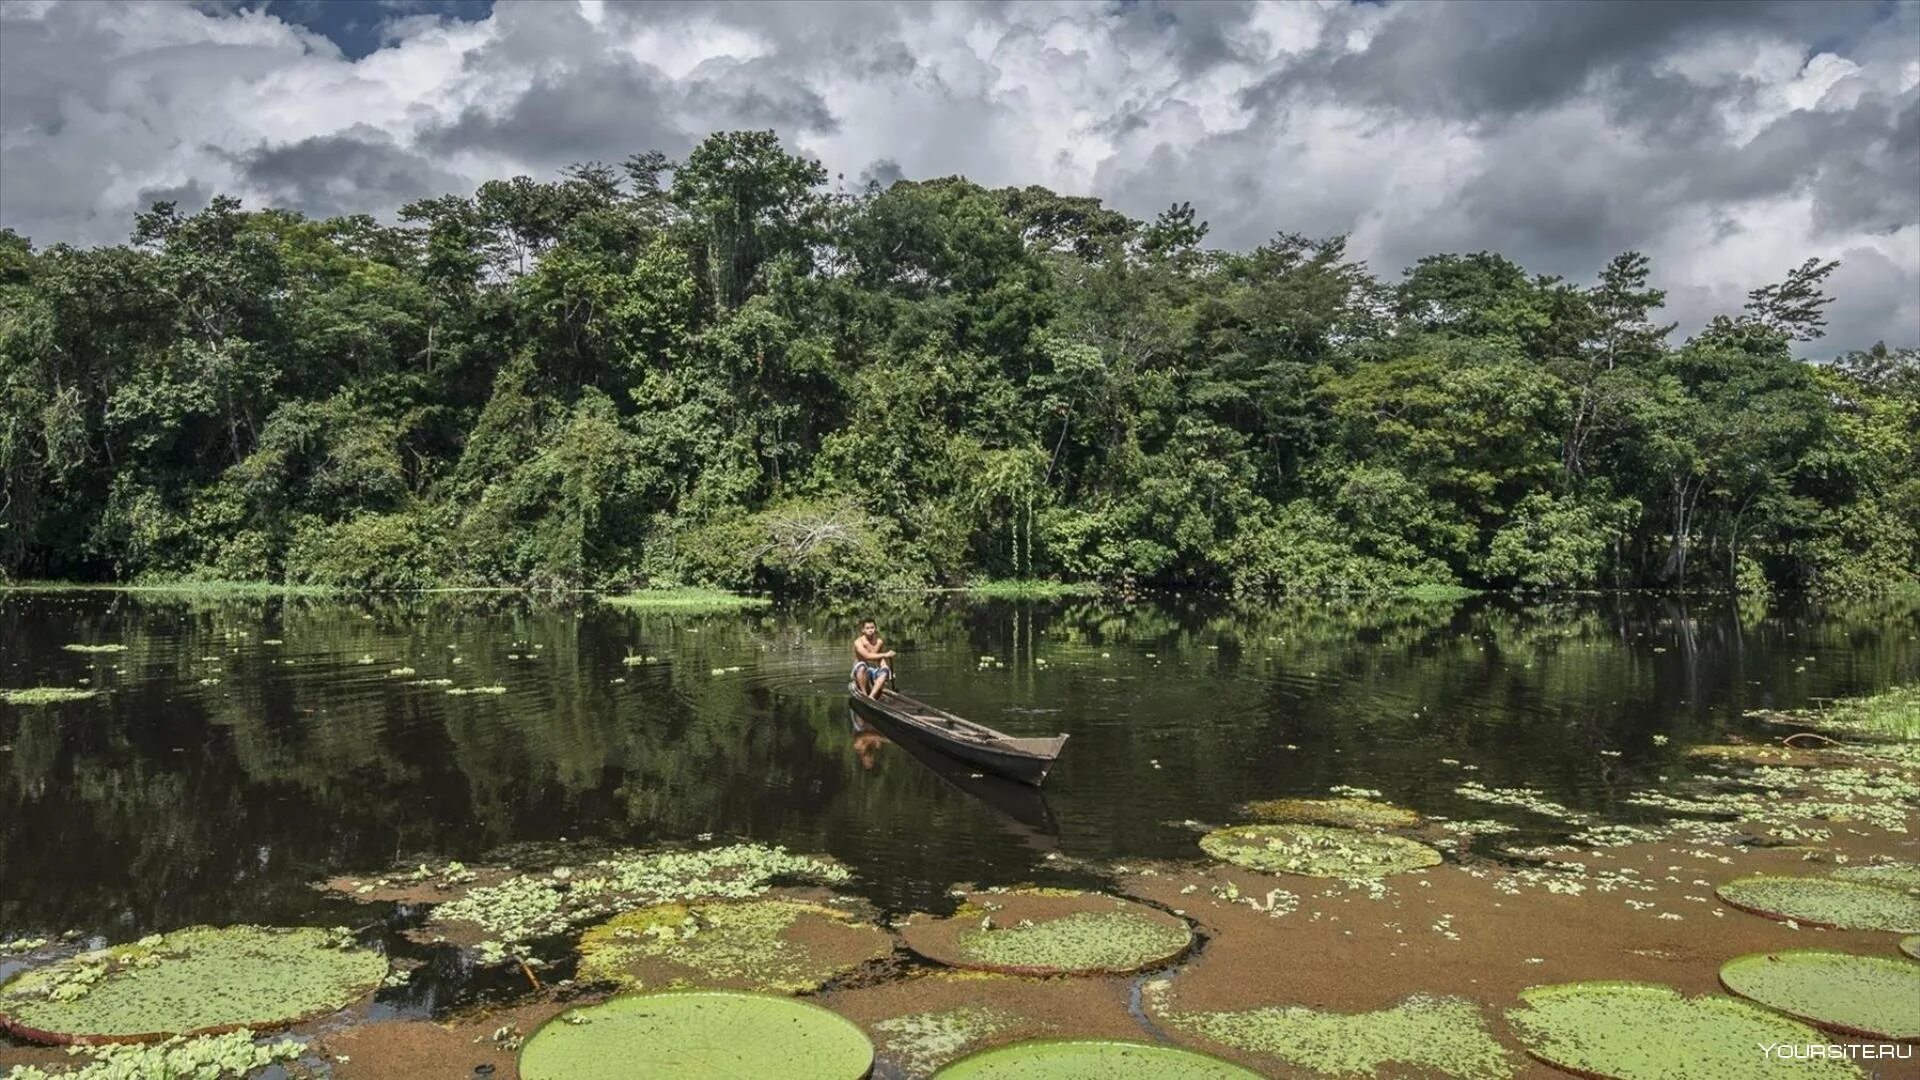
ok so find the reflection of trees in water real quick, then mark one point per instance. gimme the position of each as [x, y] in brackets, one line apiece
[168, 801]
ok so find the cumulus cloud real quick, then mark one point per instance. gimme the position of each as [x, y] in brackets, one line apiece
[1729, 141]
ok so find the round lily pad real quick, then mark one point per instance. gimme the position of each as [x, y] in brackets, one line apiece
[1871, 996]
[697, 1035]
[198, 981]
[1891, 875]
[1645, 1031]
[1090, 1059]
[1051, 932]
[783, 946]
[1352, 813]
[1317, 851]
[1911, 946]
[1840, 905]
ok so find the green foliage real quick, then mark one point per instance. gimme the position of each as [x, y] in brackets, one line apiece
[710, 371]
[1317, 851]
[1845, 905]
[1445, 1035]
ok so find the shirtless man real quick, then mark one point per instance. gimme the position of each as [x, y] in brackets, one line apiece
[870, 670]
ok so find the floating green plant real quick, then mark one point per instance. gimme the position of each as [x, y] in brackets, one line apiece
[922, 1042]
[1646, 1031]
[1353, 813]
[1911, 946]
[1756, 754]
[1052, 932]
[463, 691]
[779, 946]
[1317, 851]
[686, 601]
[202, 979]
[534, 905]
[697, 1035]
[1446, 1036]
[209, 1057]
[1840, 905]
[45, 695]
[1892, 875]
[1876, 997]
[1071, 1059]
[80, 648]
[1632, 1031]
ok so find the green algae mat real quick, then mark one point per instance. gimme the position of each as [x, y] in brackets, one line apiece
[200, 980]
[1051, 932]
[1345, 811]
[1091, 1059]
[1872, 996]
[1444, 1036]
[1317, 851]
[1646, 1031]
[1839, 905]
[782, 946]
[697, 1035]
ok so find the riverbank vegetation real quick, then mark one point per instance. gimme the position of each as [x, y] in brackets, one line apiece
[718, 372]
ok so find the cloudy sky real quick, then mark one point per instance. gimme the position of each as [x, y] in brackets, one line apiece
[1728, 140]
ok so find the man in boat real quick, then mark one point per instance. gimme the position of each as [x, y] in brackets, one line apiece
[870, 656]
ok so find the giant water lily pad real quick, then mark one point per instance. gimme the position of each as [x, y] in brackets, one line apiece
[1091, 1059]
[1346, 812]
[1317, 851]
[1891, 875]
[1051, 932]
[785, 946]
[1860, 995]
[200, 980]
[697, 1035]
[1645, 1031]
[1911, 946]
[1447, 1036]
[1841, 905]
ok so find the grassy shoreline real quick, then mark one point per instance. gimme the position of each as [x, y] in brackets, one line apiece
[1890, 714]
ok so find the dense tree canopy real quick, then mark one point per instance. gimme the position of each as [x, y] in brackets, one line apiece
[714, 372]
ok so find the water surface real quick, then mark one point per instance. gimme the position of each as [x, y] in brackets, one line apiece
[241, 749]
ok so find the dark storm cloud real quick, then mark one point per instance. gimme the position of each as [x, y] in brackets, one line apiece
[601, 113]
[328, 175]
[1482, 60]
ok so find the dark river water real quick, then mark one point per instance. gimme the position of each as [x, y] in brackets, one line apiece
[241, 749]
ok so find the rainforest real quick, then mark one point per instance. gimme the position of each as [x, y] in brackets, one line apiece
[734, 371]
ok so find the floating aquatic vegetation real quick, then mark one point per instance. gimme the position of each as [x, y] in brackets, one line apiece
[1839, 905]
[1892, 875]
[1447, 1036]
[463, 691]
[1871, 996]
[697, 1035]
[1065, 1059]
[431, 682]
[1520, 798]
[1347, 811]
[210, 1057]
[95, 648]
[401, 672]
[1757, 754]
[1646, 1030]
[1911, 946]
[202, 979]
[45, 695]
[1051, 932]
[535, 905]
[922, 1042]
[1317, 851]
[777, 946]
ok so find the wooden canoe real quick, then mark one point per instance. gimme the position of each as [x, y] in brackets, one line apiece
[1025, 760]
